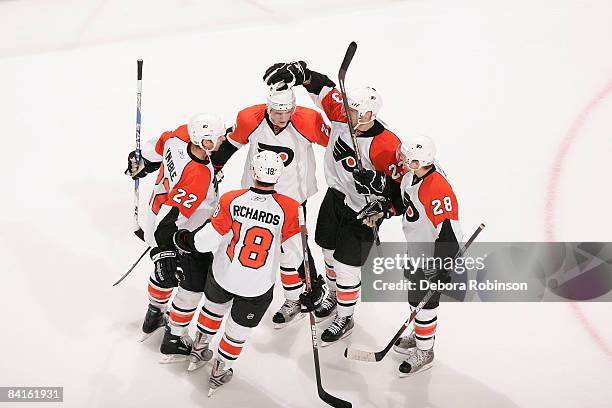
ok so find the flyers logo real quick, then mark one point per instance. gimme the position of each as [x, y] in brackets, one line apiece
[345, 154]
[411, 214]
[285, 153]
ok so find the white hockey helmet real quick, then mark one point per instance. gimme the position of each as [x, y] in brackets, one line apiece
[418, 147]
[266, 166]
[365, 100]
[280, 100]
[204, 126]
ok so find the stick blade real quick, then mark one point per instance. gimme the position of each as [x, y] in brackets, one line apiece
[359, 355]
[333, 401]
[348, 57]
[139, 233]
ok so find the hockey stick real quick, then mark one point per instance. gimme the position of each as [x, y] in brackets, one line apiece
[137, 230]
[133, 266]
[327, 398]
[348, 57]
[360, 355]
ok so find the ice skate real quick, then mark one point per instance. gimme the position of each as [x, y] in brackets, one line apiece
[174, 348]
[405, 344]
[200, 352]
[341, 327]
[154, 320]
[328, 306]
[218, 376]
[417, 361]
[289, 313]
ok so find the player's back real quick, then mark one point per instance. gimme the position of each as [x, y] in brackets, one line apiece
[257, 223]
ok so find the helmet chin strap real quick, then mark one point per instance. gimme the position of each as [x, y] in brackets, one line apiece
[359, 122]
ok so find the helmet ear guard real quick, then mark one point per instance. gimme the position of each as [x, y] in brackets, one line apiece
[416, 148]
[204, 126]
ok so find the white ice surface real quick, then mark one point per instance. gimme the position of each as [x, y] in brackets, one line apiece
[499, 85]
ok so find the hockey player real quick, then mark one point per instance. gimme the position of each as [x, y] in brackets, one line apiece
[282, 127]
[247, 233]
[431, 226]
[184, 196]
[345, 240]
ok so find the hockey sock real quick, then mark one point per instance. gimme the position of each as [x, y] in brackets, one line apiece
[211, 316]
[292, 284]
[232, 342]
[425, 328]
[348, 285]
[330, 274]
[182, 310]
[158, 295]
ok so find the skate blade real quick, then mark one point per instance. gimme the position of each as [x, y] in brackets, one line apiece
[172, 358]
[403, 351]
[147, 335]
[325, 344]
[299, 317]
[194, 365]
[211, 391]
[424, 368]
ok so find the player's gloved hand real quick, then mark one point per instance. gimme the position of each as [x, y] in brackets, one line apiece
[138, 169]
[135, 169]
[309, 301]
[374, 211]
[183, 241]
[287, 75]
[438, 275]
[167, 266]
[369, 181]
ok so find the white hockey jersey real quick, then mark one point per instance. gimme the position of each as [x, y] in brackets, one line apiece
[430, 205]
[184, 181]
[245, 234]
[377, 147]
[293, 144]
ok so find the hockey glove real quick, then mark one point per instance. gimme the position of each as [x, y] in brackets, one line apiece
[311, 300]
[369, 181]
[139, 169]
[168, 270]
[183, 241]
[287, 75]
[438, 275]
[374, 211]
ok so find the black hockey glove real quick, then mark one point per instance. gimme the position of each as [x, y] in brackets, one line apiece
[311, 300]
[183, 241]
[369, 181]
[139, 169]
[287, 75]
[168, 269]
[374, 211]
[438, 275]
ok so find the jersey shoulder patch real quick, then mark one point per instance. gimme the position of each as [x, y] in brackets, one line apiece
[247, 121]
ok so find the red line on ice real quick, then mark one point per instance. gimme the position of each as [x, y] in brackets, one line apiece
[556, 171]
